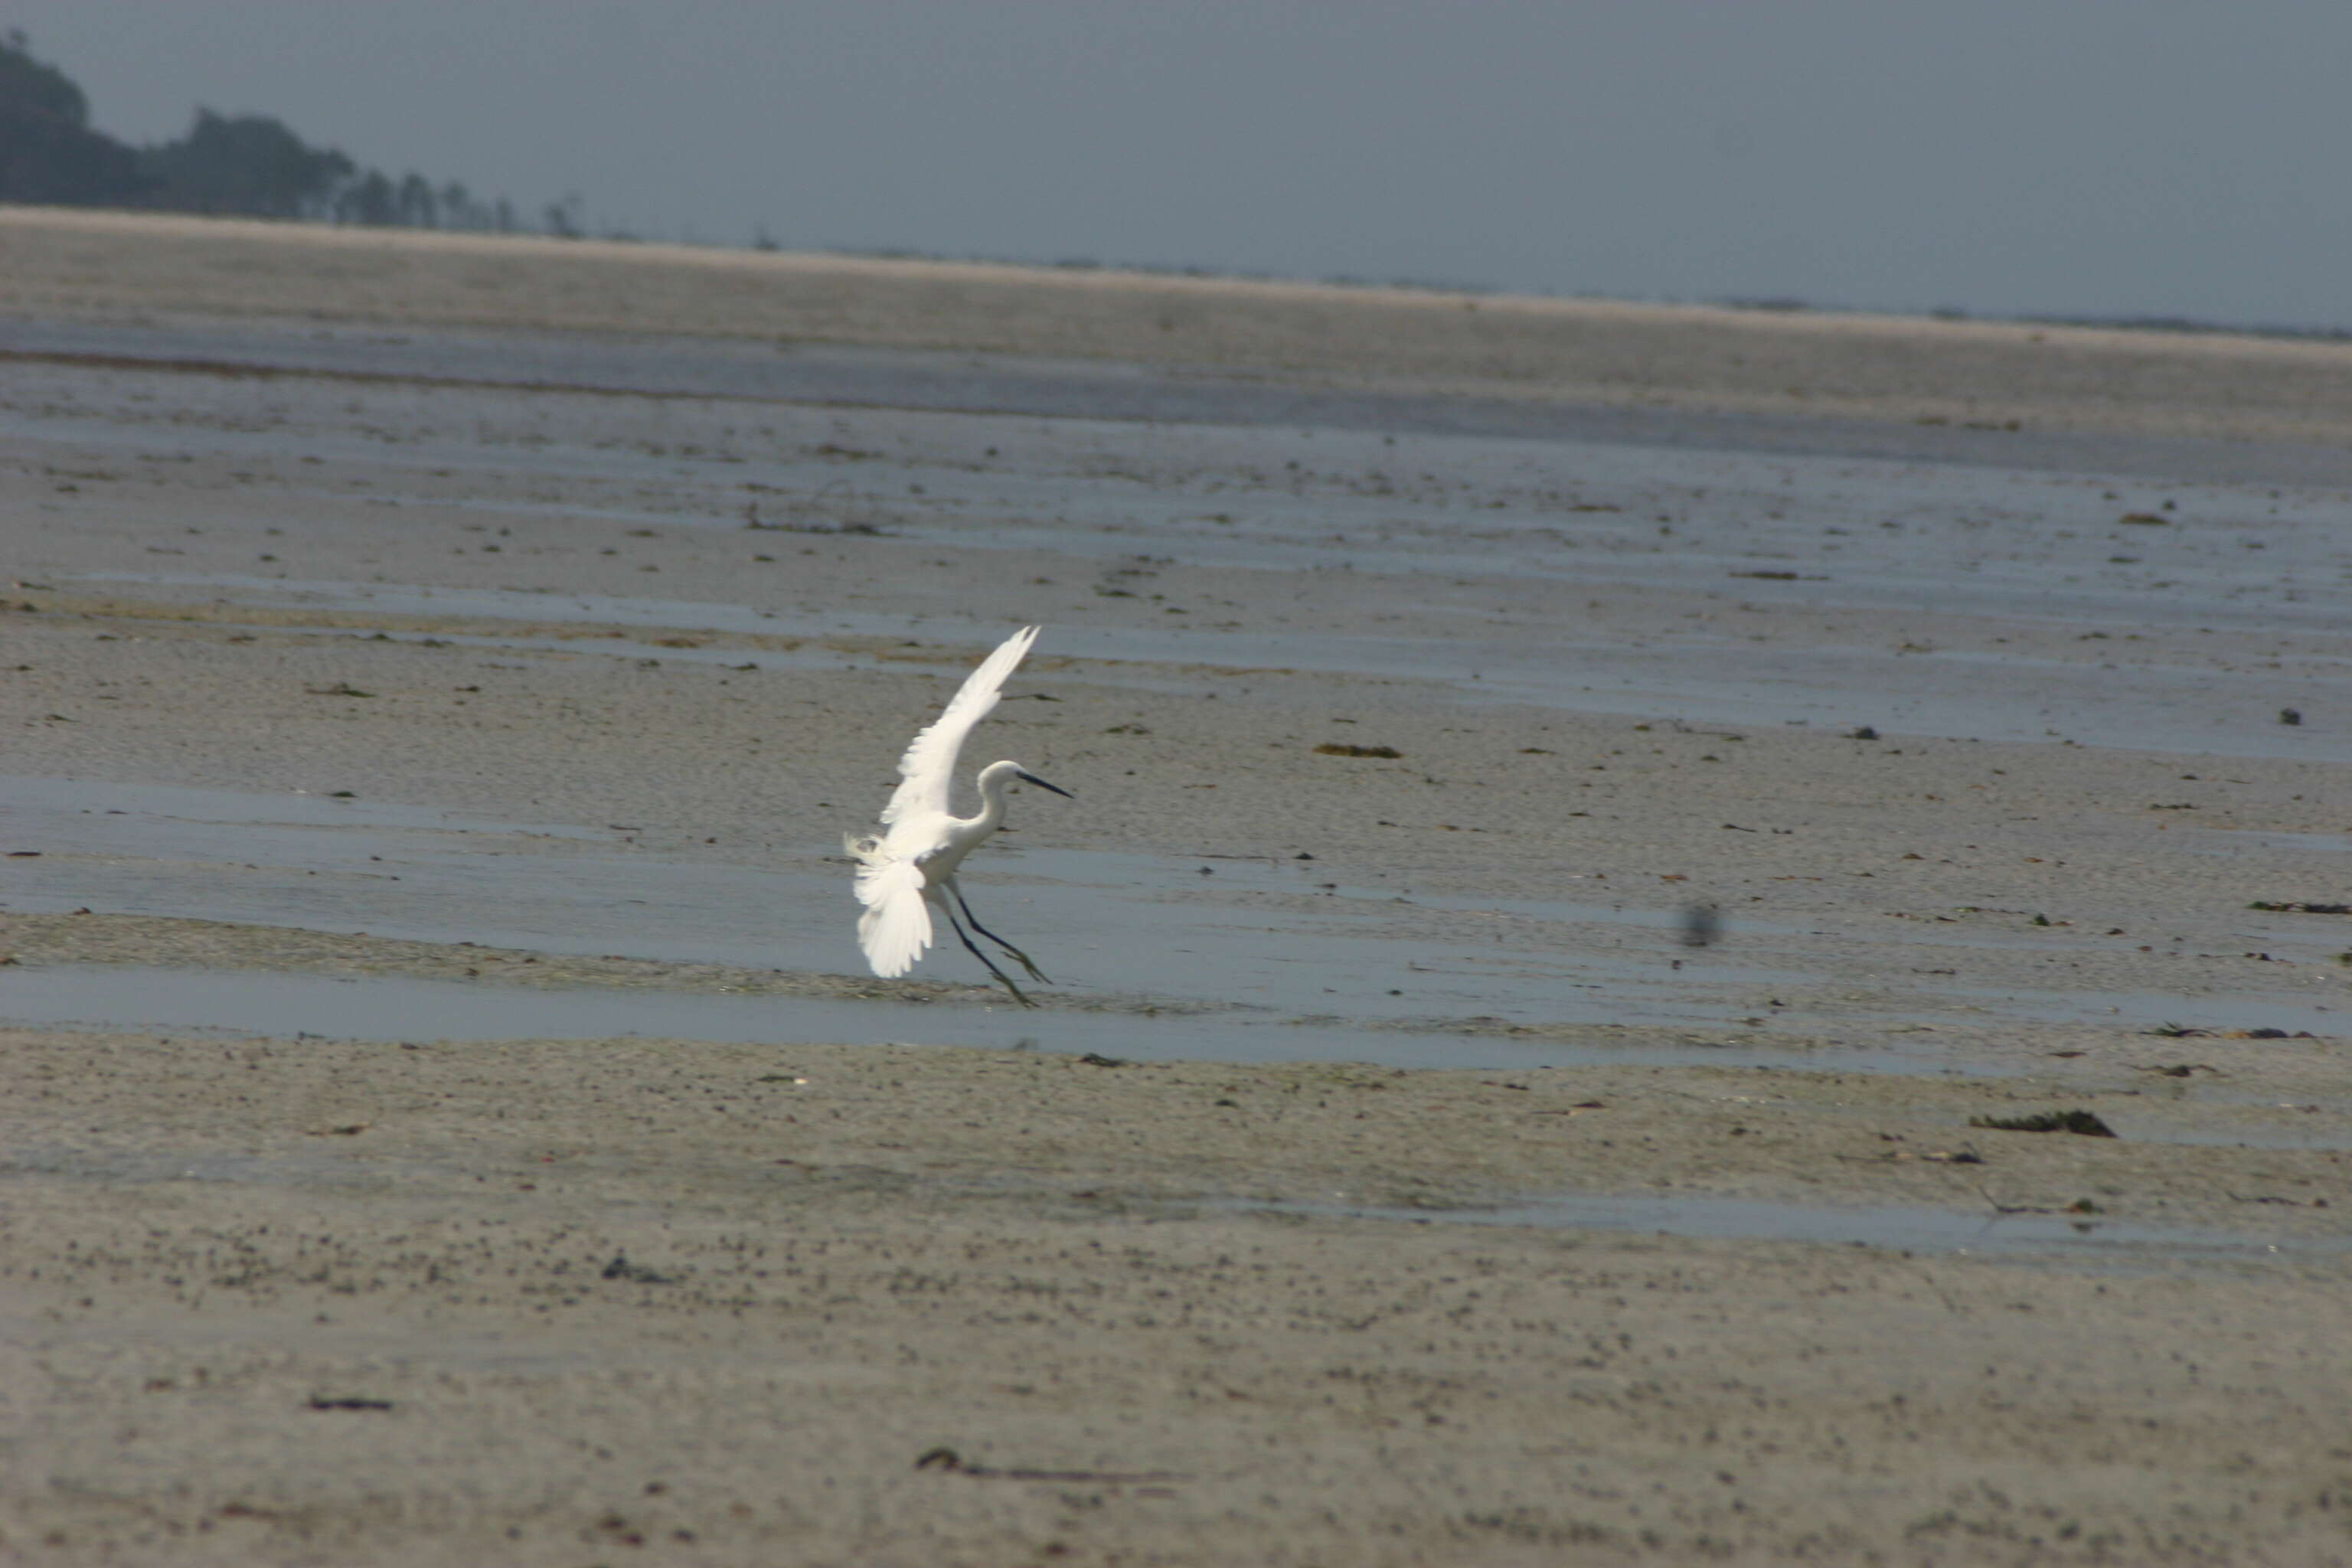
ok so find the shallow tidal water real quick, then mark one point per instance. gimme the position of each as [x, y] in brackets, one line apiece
[1246, 960]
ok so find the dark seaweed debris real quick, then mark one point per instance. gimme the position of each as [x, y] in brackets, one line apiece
[2081, 1121]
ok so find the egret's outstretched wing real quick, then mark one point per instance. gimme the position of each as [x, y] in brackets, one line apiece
[929, 766]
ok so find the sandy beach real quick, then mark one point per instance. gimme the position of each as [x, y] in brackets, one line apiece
[448, 1117]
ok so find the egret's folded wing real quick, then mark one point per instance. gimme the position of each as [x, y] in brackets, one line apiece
[896, 928]
[929, 766]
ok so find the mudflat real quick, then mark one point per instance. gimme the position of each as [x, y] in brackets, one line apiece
[1585, 815]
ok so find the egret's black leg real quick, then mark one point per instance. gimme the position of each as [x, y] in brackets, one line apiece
[1026, 962]
[972, 948]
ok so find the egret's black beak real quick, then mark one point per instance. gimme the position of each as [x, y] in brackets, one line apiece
[1041, 784]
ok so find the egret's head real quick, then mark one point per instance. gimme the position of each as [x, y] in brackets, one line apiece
[998, 774]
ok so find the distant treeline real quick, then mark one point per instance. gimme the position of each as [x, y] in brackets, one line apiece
[243, 165]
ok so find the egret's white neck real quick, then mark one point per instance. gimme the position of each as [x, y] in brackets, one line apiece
[992, 780]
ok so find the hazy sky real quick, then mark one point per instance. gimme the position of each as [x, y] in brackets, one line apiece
[2100, 157]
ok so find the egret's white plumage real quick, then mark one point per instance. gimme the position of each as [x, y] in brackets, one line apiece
[909, 867]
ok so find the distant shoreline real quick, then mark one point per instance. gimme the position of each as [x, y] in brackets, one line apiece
[1760, 358]
[1777, 305]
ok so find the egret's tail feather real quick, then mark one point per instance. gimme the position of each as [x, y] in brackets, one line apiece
[896, 929]
[895, 933]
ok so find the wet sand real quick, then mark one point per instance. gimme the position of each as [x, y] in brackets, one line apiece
[390, 617]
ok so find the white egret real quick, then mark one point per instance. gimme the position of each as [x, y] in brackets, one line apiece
[909, 866]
